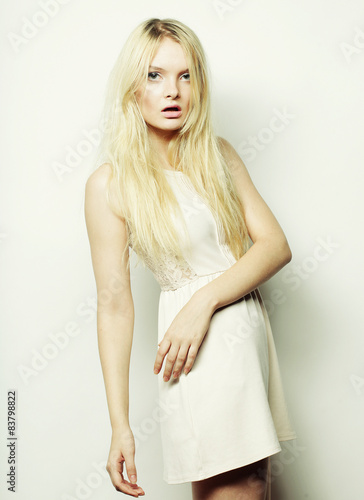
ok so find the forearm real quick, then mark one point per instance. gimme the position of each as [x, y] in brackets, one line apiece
[115, 337]
[263, 259]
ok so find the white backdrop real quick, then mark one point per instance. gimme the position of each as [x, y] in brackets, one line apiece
[288, 94]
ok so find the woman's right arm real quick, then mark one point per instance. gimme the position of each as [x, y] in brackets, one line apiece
[115, 323]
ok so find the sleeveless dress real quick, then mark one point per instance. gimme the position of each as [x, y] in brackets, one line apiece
[229, 410]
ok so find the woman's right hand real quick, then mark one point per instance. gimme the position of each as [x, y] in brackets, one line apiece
[122, 450]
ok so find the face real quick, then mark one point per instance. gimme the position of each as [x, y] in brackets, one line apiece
[168, 86]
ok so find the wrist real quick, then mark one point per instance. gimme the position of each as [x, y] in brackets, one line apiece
[120, 424]
[206, 299]
[120, 427]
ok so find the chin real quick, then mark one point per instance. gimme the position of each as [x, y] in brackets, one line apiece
[166, 128]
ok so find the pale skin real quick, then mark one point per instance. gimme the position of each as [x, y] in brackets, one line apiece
[179, 347]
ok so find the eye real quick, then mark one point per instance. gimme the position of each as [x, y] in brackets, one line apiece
[187, 75]
[153, 75]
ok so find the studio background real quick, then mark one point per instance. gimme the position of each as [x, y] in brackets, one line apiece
[287, 83]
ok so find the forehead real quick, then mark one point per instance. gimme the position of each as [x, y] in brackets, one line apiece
[169, 55]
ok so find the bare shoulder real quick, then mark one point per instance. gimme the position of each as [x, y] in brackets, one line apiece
[260, 220]
[232, 158]
[100, 218]
[108, 238]
[95, 187]
[98, 179]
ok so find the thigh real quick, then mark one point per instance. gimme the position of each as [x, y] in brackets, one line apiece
[245, 483]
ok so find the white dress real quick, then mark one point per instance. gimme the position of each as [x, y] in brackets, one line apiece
[229, 410]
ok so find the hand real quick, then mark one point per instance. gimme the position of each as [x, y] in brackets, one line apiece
[122, 449]
[183, 338]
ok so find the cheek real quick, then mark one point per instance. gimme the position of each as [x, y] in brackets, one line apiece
[188, 99]
[151, 94]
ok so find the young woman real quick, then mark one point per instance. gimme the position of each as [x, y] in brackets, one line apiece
[182, 199]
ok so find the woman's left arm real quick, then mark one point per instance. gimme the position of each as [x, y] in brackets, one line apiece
[268, 254]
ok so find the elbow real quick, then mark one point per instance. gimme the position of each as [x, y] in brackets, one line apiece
[119, 305]
[285, 252]
[279, 249]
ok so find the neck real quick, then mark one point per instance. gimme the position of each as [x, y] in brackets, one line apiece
[160, 141]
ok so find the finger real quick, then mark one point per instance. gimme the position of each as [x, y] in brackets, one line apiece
[180, 361]
[192, 353]
[170, 360]
[130, 467]
[120, 484]
[130, 489]
[162, 351]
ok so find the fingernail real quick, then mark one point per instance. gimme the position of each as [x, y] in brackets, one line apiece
[165, 379]
[133, 478]
[175, 375]
[155, 370]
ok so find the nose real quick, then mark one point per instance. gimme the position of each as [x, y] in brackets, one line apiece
[171, 89]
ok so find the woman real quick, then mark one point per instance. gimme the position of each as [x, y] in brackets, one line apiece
[182, 199]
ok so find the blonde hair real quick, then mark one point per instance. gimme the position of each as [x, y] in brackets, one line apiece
[144, 198]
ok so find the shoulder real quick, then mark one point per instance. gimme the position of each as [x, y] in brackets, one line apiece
[232, 158]
[97, 182]
[96, 194]
[224, 144]
[98, 179]
[103, 221]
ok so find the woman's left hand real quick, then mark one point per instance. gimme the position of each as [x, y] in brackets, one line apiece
[183, 338]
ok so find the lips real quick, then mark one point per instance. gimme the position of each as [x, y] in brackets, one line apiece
[172, 111]
[172, 108]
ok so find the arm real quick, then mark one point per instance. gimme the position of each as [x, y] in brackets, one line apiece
[115, 321]
[268, 254]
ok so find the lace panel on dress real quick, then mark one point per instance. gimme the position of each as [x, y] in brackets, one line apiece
[170, 273]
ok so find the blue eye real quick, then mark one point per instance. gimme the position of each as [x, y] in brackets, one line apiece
[153, 75]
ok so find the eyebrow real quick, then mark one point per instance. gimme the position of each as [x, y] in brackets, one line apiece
[162, 69]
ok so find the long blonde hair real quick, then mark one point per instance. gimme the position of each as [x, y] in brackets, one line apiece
[144, 198]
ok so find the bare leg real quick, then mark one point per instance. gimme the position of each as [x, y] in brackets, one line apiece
[244, 483]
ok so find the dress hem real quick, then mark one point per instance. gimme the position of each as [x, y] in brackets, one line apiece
[287, 437]
[222, 468]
